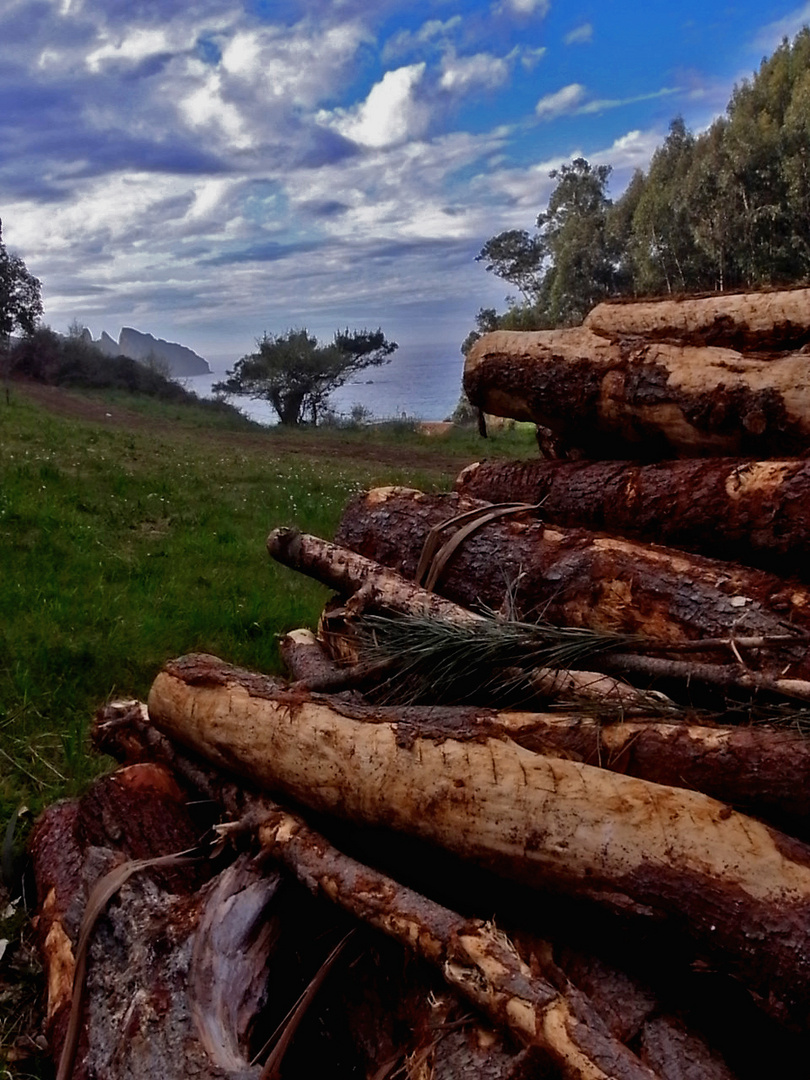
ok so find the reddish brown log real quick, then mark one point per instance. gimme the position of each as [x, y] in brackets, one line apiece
[754, 512]
[631, 398]
[764, 321]
[150, 1007]
[576, 578]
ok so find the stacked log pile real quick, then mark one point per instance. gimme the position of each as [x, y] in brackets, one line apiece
[534, 800]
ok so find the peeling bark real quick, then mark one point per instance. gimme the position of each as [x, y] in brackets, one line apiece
[634, 398]
[754, 512]
[571, 577]
[755, 321]
[475, 958]
[740, 889]
[150, 1008]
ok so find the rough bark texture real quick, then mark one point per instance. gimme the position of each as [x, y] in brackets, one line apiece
[760, 321]
[737, 887]
[475, 958]
[755, 512]
[633, 398]
[576, 578]
[635, 1014]
[150, 1008]
[763, 771]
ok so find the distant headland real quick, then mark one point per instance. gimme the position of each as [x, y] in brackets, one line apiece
[180, 361]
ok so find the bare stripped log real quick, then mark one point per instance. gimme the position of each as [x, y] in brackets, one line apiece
[476, 959]
[754, 321]
[577, 578]
[739, 888]
[633, 1011]
[763, 770]
[630, 398]
[755, 512]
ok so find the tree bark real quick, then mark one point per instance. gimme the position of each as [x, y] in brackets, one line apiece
[638, 399]
[151, 1007]
[759, 321]
[632, 1009]
[571, 577]
[754, 512]
[740, 889]
[475, 958]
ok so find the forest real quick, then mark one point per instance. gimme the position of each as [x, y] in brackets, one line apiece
[723, 210]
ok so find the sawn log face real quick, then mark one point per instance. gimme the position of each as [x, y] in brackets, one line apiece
[739, 888]
[633, 398]
[577, 578]
[755, 512]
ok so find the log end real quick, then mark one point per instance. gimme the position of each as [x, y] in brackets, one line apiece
[284, 543]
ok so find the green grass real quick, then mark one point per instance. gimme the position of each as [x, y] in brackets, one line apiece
[120, 548]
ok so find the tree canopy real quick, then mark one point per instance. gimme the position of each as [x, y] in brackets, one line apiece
[727, 209]
[296, 374]
[20, 297]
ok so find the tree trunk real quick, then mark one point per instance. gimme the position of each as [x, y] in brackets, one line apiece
[741, 890]
[631, 1008]
[755, 321]
[152, 1006]
[575, 578]
[631, 398]
[754, 512]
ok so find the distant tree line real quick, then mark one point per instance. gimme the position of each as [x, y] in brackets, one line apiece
[724, 210]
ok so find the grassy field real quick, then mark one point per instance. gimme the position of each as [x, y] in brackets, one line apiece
[133, 533]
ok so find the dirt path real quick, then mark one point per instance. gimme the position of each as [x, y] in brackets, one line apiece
[433, 456]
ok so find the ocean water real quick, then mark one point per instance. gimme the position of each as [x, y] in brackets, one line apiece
[418, 383]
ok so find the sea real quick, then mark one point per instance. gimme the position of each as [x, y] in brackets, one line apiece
[418, 383]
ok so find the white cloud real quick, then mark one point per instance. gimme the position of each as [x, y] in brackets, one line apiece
[531, 57]
[580, 35]
[562, 101]
[788, 26]
[529, 7]
[390, 114]
[206, 108]
[461, 73]
[433, 30]
[601, 104]
[137, 45]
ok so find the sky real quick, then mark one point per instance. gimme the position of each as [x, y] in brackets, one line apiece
[210, 171]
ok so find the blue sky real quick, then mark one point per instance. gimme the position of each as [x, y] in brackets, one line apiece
[210, 171]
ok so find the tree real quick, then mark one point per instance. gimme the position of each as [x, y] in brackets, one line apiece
[20, 298]
[296, 374]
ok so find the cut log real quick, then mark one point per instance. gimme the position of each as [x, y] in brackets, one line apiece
[475, 958]
[633, 1011]
[758, 321]
[740, 889]
[571, 577]
[754, 512]
[631, 399]
[151, 1008]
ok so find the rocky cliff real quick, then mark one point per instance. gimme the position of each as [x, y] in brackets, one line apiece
[180, 361]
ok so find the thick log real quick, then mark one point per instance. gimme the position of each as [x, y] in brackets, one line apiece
[576, 578]
[754, 512]
[633, 1011]
[631, 398]
[754, 321]
[739, 888]
[150, 1007]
